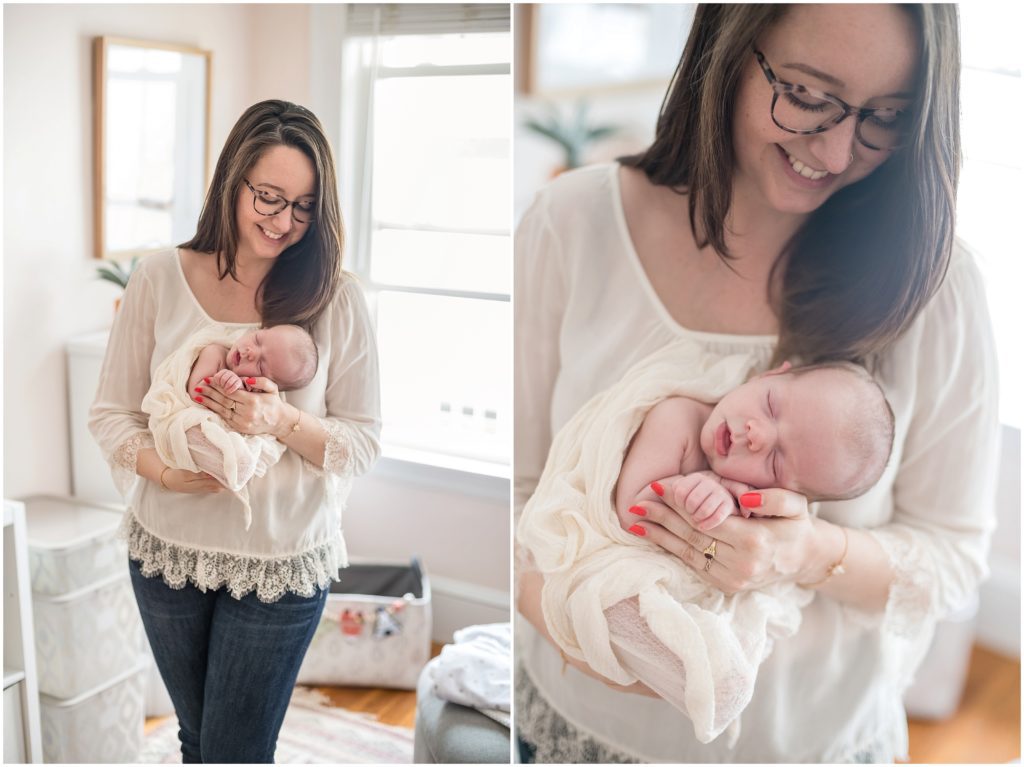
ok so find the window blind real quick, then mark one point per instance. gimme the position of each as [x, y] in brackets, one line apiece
[390, 19]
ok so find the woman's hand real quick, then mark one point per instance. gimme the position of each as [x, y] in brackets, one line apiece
[778, 542]
[257, 411]
[182, 481]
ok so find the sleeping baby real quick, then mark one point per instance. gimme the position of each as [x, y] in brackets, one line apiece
[634, 612]
[824, 431]
[191, 437]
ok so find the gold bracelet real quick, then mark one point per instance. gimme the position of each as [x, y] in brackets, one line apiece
[295, 426]
[162, 484]
[836, 568]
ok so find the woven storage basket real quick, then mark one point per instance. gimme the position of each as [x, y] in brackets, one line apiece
[375, 629]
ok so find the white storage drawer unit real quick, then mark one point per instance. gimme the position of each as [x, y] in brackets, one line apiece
[101, 726]
[86, 637]
[72, 544]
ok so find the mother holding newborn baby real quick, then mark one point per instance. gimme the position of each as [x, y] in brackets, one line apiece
[797, 204]
[230, 607]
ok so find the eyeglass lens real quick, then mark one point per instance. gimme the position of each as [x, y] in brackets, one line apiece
[806, 112]
[268, 204]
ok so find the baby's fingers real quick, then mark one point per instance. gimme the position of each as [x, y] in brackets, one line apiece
[716, 517]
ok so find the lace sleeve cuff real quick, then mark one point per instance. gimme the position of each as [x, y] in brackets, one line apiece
[911, 605]
[337, 451]
[124, 459]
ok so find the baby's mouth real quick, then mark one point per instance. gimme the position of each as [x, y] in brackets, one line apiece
[723, 439]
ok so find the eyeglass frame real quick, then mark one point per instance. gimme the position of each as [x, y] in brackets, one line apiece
[780, 87]
[287, 204]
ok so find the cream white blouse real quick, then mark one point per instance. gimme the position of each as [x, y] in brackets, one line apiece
[295, 542]
[585, 312]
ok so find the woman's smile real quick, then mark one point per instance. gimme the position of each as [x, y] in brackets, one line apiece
[803, 175]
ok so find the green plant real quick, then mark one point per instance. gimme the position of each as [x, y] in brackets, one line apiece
[571, 133]
[116, 271]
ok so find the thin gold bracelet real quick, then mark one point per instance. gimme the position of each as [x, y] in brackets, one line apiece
[294, 427]
[162, 483]
[836, 568]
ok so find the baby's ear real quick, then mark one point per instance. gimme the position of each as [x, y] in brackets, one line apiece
[783, 368]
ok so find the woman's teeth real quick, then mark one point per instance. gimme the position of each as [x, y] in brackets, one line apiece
[804, 170]
[271, 235]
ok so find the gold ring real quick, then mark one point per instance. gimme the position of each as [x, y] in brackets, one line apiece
[233, 404]
[710, 551]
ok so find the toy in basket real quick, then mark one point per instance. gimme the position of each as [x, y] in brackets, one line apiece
[375, 629]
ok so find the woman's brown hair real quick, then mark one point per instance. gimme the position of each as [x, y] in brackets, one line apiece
[306, 275]
[865, 263]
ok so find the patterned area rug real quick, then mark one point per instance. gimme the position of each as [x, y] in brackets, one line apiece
[313, 733]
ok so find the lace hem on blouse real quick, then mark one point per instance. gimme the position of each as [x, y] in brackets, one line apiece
[556, 740]
[337, 451]
[124, 460]
[269, 577]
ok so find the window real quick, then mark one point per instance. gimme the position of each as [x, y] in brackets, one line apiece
[426, 110]
[989, 198]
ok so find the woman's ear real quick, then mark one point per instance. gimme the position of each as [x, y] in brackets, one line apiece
[783, 368]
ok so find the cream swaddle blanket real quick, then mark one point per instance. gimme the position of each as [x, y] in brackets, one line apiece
[232, 458]
[628, 609]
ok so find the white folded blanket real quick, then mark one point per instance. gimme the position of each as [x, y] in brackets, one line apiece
[189, 436]
[624, 606]
[476, 670]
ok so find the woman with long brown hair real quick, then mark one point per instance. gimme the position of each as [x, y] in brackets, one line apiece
[797, 204]
[229, 610]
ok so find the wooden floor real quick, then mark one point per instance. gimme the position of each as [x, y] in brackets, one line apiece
[986, 727]
[397, 707]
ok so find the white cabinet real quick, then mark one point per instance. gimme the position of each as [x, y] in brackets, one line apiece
[22, 742]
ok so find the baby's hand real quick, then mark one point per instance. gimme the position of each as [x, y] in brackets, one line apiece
[706, 499]
[227, 381]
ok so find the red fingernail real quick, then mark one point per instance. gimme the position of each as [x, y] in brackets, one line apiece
[637, 530]
[199, 399]
[658, 489]
[250, 381]
[206, 380]
[640, 511]
[750, 500]
[199, 388]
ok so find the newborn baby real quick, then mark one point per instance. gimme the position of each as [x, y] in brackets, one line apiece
[631, 610]
[824, 431]
[190, 437]
[286, 354]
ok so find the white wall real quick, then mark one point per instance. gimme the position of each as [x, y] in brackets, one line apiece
[51, 295]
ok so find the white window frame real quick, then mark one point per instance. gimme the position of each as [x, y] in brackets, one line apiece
[352, 106]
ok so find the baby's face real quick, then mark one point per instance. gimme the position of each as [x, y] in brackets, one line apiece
[264, 352]
[781, 430]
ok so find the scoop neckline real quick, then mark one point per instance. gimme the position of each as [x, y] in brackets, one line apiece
[195, 300]
[619, 214]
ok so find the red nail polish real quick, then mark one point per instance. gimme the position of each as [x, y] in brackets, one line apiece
[206, 380]
[199, 399]
[250, 381]
[640, 511]
[199, 388]
[637, 530]
[658, 489]
[750, 500]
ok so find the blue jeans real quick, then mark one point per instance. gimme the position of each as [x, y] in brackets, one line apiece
[229, 664]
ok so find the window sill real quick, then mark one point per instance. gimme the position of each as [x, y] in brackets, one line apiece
[465, 476]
